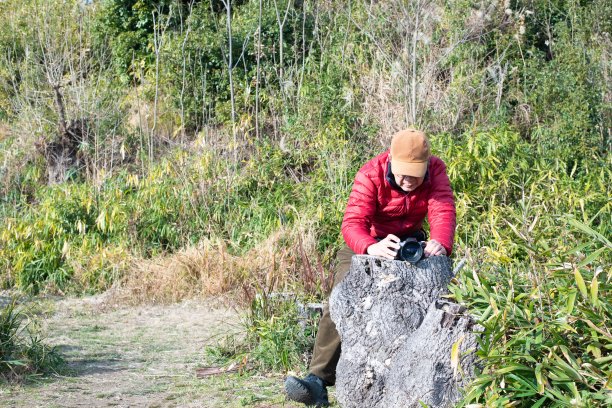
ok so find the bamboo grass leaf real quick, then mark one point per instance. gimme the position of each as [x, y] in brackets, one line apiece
[597, 329]
[580, 282]
[569, 370]
[455, 364]
[571, 300]
[540, 381]
[603, 360]
[589, 231]
[511, 368]
[594, 291]
[593, 256]
[539, 402]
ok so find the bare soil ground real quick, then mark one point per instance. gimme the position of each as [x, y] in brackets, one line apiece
[139, 356]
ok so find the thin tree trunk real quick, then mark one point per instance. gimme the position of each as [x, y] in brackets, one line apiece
[158, 35]
[228, 8]
[61, 110]
[413, 79]
[258, 53]
[281, 40]
[154, 128]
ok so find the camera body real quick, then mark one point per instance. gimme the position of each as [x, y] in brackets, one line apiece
[410, 250]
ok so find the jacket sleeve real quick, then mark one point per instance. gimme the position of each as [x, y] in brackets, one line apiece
[360, 209]
[441, 212]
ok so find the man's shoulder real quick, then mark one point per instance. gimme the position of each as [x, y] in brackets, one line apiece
[435, 163]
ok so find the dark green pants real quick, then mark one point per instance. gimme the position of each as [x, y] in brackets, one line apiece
[327, 344]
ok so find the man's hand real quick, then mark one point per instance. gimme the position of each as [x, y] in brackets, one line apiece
[433, 248]
[386, 248]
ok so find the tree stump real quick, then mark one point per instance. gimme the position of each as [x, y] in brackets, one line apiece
[398, 335]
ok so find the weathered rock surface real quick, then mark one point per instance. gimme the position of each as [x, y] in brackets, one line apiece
[397, 335]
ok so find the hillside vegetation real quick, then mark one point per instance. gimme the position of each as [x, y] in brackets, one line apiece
[182, 148]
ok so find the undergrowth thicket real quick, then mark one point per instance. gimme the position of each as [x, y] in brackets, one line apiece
[141, 146]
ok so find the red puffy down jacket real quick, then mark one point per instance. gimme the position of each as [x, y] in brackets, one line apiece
[376, 209]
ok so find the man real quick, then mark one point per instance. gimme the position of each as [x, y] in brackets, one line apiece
[391, 196]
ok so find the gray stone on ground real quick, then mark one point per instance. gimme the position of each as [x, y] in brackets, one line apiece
[398, 334]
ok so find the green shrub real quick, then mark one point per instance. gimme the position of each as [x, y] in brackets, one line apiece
[22, 351]
[126, 27]
[71, 234]
[545, 340]
[534, 235]
[278, 337]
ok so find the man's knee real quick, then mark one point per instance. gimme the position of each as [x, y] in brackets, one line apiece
[343, 263]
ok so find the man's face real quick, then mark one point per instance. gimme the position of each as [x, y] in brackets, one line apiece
[408, 183]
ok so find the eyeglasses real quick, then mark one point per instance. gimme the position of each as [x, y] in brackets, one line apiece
[400, 178]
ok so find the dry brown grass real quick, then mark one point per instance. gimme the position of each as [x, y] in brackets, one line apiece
[411, 81]
[283, 261]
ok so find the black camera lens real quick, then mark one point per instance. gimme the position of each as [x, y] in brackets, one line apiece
[411, 252]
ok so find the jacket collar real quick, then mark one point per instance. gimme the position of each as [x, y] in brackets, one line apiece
[391, 179]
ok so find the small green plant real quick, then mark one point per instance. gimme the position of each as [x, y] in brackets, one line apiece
[23, 352]
[279, 337]
[276, 339]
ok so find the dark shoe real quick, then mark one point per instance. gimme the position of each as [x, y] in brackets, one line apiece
[310, 391]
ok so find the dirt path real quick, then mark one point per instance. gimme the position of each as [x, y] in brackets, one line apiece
[145, 356]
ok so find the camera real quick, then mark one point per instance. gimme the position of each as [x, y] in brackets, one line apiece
[410, 251]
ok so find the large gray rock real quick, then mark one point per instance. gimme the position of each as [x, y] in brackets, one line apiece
[398, 334]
